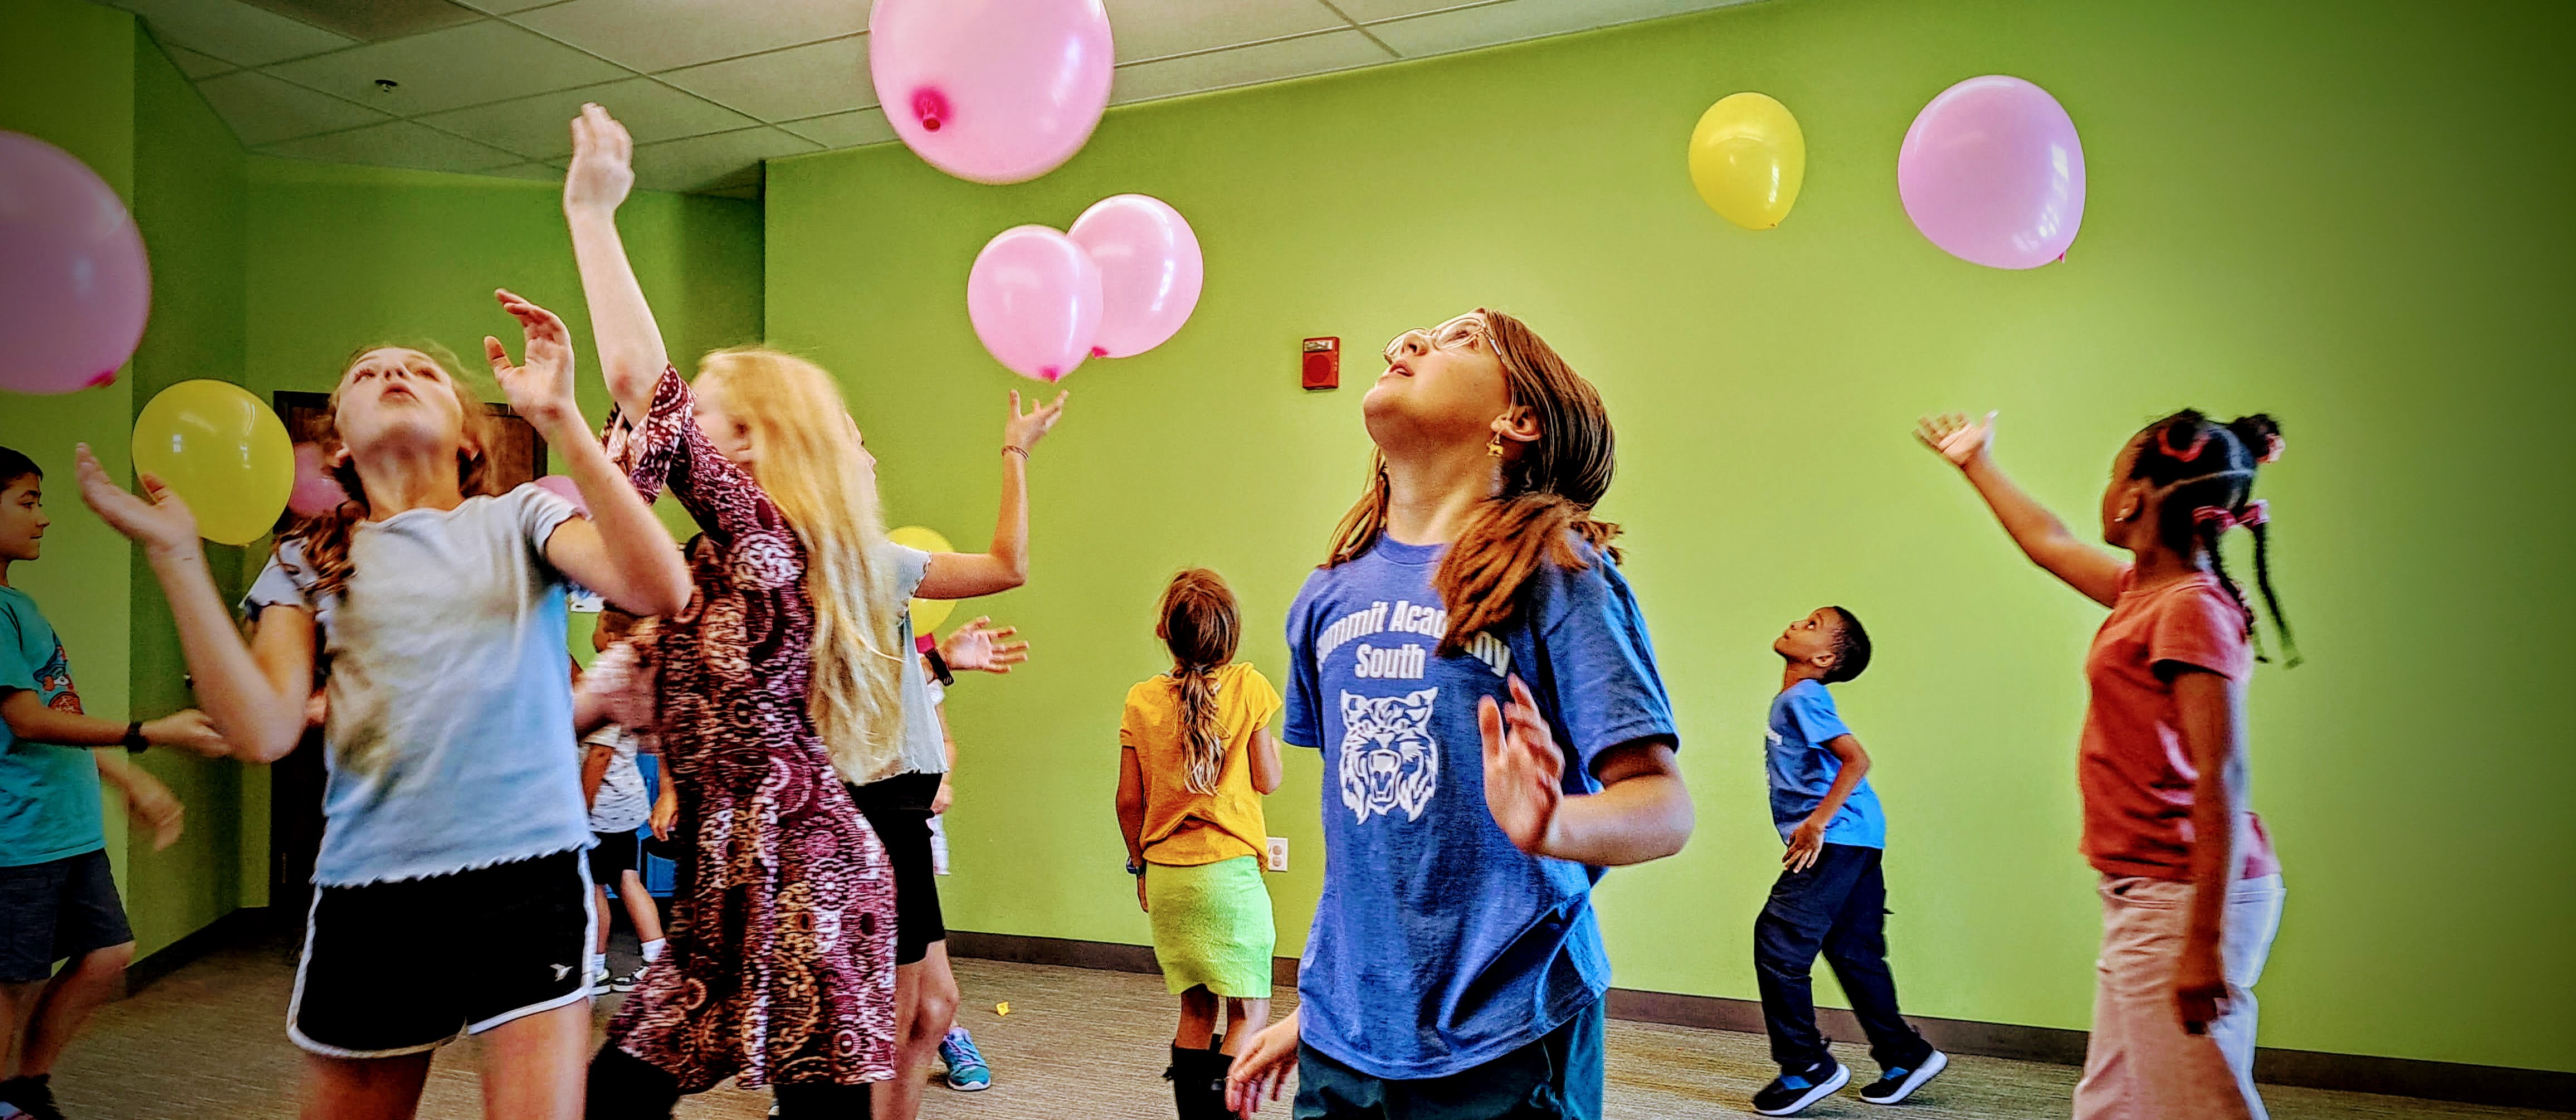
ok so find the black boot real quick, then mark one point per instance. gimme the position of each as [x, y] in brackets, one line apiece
[1198, 1083]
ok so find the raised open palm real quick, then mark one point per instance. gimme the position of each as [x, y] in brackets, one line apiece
[1954, 438]
[160, 520]
[539, 388]
[1024, 429]
[1524, 770]
[981, 647]
[603, 162]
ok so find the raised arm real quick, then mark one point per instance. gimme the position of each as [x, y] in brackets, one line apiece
[965, 575]
[630, 344]
[2042, 537]
[253, 692]
[621, 550]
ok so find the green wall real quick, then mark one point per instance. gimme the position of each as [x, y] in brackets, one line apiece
[2354, 220]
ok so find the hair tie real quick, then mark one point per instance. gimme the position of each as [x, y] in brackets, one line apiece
[2272, 447]
[2199, 443]
[2256, 513]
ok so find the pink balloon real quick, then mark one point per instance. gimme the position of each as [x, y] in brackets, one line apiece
[74, 287]
[315, 492]
[559, 484]
[1993, 173]
[1035, 299]
[1150, 271]
[996, 91]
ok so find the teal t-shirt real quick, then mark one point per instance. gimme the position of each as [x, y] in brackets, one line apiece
[48, 794]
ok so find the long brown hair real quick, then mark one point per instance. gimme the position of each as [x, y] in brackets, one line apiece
[811, 467]
[1548, 492]
[324, 537]
[1201, 626]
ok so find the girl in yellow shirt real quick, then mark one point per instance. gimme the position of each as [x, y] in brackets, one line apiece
[1196, 758]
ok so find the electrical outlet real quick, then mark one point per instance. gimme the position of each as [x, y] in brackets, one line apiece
[1279, 853]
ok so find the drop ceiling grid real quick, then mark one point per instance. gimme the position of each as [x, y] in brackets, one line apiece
[1184, 50]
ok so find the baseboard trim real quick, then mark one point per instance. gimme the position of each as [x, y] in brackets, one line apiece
[2500, 1086]
[226, 930]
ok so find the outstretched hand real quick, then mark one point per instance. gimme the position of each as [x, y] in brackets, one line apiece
[541, 388]
[1263, 1067]
[980, 647]
[1024, 430]
[1953, 438]
[1523, 768]
[603, 162]
[159, 521]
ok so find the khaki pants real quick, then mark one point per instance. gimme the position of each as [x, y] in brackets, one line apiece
[2139, 1063]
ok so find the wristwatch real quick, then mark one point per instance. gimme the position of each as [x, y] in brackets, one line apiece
[1135, 867]
[134, 741]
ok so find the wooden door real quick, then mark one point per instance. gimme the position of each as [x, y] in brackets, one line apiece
[295, 782]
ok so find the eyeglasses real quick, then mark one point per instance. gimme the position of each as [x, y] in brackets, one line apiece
[1461, 333]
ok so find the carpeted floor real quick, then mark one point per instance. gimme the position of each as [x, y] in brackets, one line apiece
[209, 1041]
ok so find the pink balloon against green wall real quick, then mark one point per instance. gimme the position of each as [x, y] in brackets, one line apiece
[1150, 271]
[993, 91]
[74, 287]
[1992, 172]
[315, 492]
[1034, 297]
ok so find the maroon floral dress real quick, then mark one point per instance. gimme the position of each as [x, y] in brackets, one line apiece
[780, 968]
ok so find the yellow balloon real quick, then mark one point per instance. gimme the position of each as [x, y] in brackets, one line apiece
[927, 614]
[1748, 159]
[221, 450]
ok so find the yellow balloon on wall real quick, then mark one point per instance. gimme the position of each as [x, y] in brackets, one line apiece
[1748, 159]
[223, 452]
[927, 614]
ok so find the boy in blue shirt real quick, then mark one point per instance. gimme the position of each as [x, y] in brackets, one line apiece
[57, 899]
[1830, 896]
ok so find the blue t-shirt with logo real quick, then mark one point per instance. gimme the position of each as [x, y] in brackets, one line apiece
[48, 794]
[1438, 946]
[1803, 720]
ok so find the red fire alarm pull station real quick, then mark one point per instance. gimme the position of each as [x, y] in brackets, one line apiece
[1323, 366]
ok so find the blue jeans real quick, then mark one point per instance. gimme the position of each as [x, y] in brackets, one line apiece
[1557, 1077]
[1838, 907]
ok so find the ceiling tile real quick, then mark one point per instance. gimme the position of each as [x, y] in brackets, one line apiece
[653, 35]
[545, 172]
[805, 81]
[460, 66]
[196, 65]
[396, 144]
[1367, 11]
[375, 20]
[1314, 54]
[845, 130]
[1513, 20]
[1156, 28]
[708, 162]
[505, 7]
[539, 127]
[231, 30]
[263, 110]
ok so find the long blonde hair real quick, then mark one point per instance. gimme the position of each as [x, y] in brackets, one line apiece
[811, 466]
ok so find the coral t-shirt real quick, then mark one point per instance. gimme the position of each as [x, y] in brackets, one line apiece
[2135, 770]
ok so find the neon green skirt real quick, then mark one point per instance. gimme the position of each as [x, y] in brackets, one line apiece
[1212, 926]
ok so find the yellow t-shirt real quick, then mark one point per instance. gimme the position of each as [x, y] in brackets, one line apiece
[1183, 827]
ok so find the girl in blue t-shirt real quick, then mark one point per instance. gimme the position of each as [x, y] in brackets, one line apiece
[437, 606]
[1454, 967]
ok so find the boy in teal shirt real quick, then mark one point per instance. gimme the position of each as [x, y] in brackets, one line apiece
[57, 899]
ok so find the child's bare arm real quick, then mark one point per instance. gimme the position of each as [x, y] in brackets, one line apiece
[594, 770]
[1267, 771]
[1642, 813]
[1808, 841]
[2042, 537]
[965, 575]
[2210, 710]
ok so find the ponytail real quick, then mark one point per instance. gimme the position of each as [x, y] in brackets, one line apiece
[1201, 626]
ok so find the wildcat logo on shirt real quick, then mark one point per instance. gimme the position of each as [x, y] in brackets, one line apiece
[1389, 759]
[54, 682]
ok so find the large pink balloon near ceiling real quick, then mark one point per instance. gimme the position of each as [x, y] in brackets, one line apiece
[1150, 271]
[1992, 172]
[74, 288]
[996, 91]
[1034, 297]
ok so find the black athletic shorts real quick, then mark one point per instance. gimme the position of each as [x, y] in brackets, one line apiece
[57, 910]
[899, 809]
[477, 949]
[614, 854]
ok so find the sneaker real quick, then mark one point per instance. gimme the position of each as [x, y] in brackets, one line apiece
[32, 1097]
[600, 980]
[967, 1072]
[1791, 1093]
[630, 981]
[1898, 1082]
